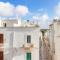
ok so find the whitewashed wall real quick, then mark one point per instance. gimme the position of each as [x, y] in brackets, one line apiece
[55, 38]
[20, 39]
[15, 38]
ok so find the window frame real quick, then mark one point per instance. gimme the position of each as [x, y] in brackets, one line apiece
[28, 38]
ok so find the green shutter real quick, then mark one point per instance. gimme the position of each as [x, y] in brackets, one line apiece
[28, 56]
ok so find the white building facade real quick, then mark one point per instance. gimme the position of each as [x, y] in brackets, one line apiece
[19, 43]
[54, 36]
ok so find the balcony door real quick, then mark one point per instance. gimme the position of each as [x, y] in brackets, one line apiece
[28, 56]
[1, 44]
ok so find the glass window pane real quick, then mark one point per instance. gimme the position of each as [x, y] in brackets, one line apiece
[28, 39]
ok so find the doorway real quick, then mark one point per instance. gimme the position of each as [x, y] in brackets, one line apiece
[28, 56]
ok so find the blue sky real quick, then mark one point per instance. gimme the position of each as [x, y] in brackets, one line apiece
[34, 5]
[38, 9]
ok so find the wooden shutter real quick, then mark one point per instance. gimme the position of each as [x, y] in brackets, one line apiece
[1, 38]
[1, 55]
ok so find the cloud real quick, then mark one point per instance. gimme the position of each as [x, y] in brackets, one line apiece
[8, 9]
[42, 20]
[36, 17]
[43, 17]
[22, 10]
[57, 9]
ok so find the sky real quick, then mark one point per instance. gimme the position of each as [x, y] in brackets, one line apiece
[43, 11]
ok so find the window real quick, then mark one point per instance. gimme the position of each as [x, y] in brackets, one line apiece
[28, 56]
[28, 39]
[4, 24]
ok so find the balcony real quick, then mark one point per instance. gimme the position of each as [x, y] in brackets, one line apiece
[28, 46]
